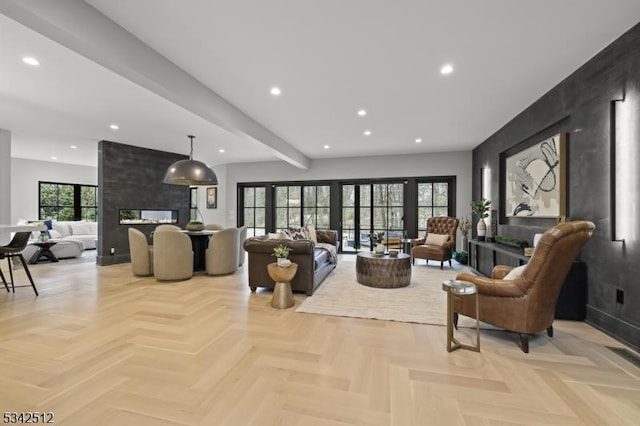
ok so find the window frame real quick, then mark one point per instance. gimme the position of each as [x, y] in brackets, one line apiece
[78, 206]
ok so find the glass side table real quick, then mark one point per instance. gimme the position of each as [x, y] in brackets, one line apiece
[459, 288]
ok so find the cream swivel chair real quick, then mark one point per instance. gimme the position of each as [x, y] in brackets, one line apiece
[172, 255]
[167, 227]
[213, 227]
[242, 236]
[141, 253]
[222, 254]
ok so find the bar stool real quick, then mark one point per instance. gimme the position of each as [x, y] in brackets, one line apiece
[14, 249]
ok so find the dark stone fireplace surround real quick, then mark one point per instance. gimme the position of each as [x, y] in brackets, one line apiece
[130, 177]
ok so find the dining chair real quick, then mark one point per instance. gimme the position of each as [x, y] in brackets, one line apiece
[12, 250]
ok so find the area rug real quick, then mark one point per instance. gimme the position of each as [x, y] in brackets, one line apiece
[423, 301]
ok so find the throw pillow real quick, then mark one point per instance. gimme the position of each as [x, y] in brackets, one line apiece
[80, 228]
[278, 236]
[515, 273]
[55, 234]
[296, 233]
[311, 233]
[436, 239]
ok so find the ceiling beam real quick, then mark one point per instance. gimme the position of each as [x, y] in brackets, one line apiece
[85, 30]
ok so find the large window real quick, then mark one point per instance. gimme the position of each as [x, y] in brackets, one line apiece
[193, 204]
[301, 205]
[356, 208]
[253, 210]
[64, 201]
[433, 200]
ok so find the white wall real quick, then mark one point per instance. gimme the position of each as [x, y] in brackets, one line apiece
[5, 176]
[25, 175]
[457, 164]
[216, 215]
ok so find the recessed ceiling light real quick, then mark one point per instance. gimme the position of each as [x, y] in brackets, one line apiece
[114, 127]
[418, 140]
[221, 150]
[362, 112]
[54, 158]
[367, 132]
[30, 60]
[275, 91]
[446, 69]
[326, 147]
[73, 147]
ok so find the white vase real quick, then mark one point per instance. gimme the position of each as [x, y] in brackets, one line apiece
[283, 262]
[482, 229]
[380, 248]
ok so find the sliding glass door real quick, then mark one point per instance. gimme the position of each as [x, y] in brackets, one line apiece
[372, 208]
[254, 210]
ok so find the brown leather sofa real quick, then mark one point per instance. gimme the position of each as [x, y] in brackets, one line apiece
[314, 263]
[526, 304]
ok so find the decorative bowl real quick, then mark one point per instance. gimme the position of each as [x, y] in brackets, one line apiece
[393, 253]
[195, 226]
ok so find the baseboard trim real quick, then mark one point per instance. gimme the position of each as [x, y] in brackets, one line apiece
[621, 330]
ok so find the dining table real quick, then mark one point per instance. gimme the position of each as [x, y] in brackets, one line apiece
[200, 243]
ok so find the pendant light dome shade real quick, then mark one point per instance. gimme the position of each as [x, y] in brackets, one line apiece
[190, 172]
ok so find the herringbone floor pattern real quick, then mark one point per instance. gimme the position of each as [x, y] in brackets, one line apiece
[102, 347]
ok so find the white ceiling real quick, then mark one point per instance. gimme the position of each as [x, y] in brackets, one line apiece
[330, 58]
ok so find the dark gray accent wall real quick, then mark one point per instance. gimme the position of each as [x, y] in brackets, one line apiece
[580, 106]
[130, 177]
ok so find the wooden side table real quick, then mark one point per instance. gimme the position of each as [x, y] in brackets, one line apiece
[282, 294]
[459, 288]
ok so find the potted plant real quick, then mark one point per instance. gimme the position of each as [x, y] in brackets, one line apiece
[481, 209]
[281, 252]
[462, 257]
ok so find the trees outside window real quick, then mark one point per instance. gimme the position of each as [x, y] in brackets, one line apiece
[64, 201]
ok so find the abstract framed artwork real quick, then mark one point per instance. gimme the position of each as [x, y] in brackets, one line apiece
[212, 198]
[535, 180]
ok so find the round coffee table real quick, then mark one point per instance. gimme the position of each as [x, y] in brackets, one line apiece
[383, 271]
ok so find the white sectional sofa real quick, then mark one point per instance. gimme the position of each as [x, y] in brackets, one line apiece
[87, 232]
[72, 239]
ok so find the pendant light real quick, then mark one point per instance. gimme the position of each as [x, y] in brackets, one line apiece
[190, 172]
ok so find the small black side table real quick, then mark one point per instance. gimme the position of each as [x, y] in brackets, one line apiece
[44, 251]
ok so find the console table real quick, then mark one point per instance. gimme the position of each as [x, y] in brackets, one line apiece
[495, 248]
[572, 301]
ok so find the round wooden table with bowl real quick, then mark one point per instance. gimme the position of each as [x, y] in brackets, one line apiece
[383, 271]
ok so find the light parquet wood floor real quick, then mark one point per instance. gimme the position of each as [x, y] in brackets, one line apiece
[102, 347]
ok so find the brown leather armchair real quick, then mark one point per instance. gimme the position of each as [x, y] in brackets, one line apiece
[527, 304]
[442, 225]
